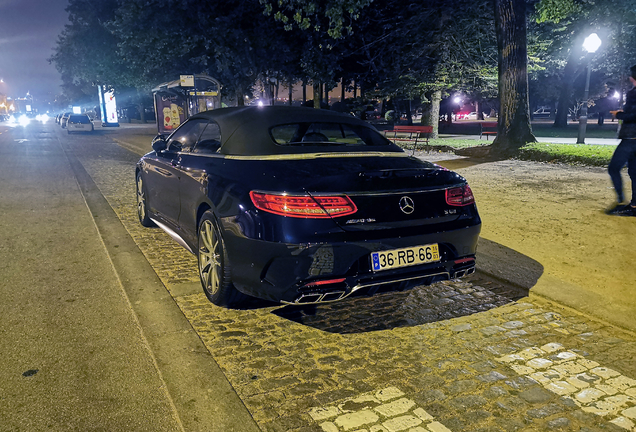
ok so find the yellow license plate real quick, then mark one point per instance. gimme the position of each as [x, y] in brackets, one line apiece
[411, 256]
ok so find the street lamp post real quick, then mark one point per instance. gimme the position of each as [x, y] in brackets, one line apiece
[591, 44]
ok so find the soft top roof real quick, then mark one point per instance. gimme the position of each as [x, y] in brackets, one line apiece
[246, 130]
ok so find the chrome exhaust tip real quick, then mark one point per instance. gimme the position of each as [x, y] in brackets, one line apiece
[317, 298]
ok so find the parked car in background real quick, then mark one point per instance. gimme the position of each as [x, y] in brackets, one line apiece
[79, 123]
[304, 206]
[64, 119]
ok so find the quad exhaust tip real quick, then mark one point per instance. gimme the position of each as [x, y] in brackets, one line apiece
[336, 295]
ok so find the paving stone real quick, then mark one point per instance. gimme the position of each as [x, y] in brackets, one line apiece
[329, 427]
[605, 373]
[589, 395]
[578, 383]
[561, 388]
[356, 419]
[401, 423]
[389, 393]
[492, 377]
[559, 423]
[394, 408]
[437, 427]
[566, 356]
[321, 413]
[522, 369]
[530, 353]
[621, 382]
[570, 368]
[545, 411]
[552, 347]
[536, 395]
[623, 423]
[630, 413]
[422, 414]
[589, 364]
[539, 363]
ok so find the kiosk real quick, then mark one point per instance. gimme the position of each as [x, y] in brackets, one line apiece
[108, 106]
[177, 100]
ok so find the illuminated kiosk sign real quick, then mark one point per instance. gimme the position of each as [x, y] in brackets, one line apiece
[108, 107]
[177, 100]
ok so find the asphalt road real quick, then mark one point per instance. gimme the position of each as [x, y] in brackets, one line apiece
[104, 327]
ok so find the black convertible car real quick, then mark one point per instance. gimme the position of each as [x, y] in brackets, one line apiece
[301, 206]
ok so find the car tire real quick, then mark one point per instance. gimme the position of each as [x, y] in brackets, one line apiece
[214, 265]
[142, 203]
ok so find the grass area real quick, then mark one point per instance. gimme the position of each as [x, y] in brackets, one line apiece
[593, 130]
[542, 128]
[574, 154]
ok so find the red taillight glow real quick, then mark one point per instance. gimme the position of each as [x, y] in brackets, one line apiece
[304, 206]
[459, 196]
[324, 282]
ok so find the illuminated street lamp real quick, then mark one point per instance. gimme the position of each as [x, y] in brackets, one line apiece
[590, 44]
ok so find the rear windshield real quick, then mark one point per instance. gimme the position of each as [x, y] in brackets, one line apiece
[79, 119]
[326, 134]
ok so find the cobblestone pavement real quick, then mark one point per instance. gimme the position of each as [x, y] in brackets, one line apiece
[456, 356]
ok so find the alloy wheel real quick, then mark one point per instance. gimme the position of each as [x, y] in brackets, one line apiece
[141, 199]
[210, 257]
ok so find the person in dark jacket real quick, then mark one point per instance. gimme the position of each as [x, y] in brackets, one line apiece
[625, 152]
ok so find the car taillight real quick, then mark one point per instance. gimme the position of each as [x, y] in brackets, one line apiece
[304, 206]
[459, 196]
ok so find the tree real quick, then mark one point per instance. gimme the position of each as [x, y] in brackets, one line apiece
[514, 129]
[86, 52]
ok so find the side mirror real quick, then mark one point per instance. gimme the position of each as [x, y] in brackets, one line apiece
[159, 144]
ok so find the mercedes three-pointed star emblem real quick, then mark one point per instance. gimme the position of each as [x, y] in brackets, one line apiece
[407, 205]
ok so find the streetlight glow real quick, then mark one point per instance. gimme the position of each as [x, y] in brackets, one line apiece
[592, 43]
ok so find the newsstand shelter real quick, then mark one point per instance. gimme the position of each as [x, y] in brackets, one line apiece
[177, 100]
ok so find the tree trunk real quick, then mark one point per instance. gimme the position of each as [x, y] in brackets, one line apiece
[291, 92]
[240, 96]
[342, 91]
[480, 115]
[431, 116]
[565, 94]
[514, 129]
[317, 92]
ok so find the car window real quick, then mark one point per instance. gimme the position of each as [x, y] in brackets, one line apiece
[79, 119]
[210, 140]
[184, 138]
[334, 134]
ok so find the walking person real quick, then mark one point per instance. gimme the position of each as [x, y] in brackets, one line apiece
[625, 153]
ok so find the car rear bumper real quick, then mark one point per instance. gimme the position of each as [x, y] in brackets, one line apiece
[317, 273]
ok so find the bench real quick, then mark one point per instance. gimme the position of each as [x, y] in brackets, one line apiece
[410, 130]
[487, 128]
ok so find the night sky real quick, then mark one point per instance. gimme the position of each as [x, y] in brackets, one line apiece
[28, 32]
